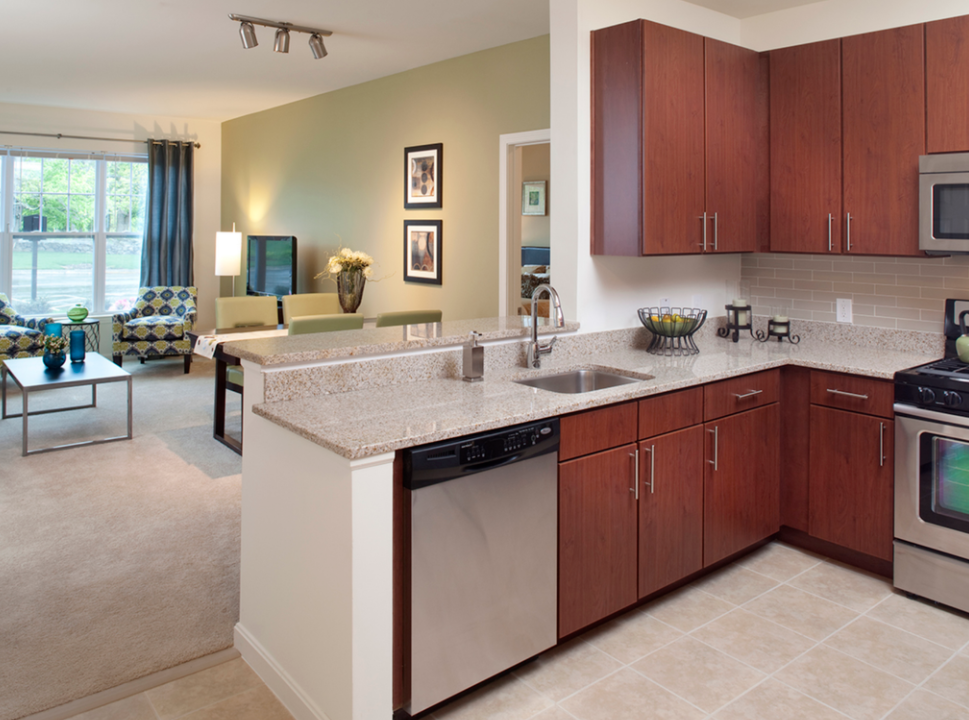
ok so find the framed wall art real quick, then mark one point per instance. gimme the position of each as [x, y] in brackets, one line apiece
[533, 197]
[423, 176]
[422, 251]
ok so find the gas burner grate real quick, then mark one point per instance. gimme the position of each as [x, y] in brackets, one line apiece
[949, 367]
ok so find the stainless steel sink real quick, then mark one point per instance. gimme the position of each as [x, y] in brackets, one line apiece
[580, 381]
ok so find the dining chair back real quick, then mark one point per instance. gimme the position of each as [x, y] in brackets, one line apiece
[310, 304]
[248, 311]
[408, 317]
[325, 323]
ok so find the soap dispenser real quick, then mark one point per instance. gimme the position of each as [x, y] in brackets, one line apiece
[473, 359]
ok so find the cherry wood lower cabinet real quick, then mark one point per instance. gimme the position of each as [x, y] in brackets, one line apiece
[670, 508]
[741, 503]
[852, 480]
[598, 518]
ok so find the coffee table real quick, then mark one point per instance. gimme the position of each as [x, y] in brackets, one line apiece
[31, 375]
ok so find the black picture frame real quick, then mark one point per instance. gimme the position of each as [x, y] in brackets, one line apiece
[424, 177]
[423, 256]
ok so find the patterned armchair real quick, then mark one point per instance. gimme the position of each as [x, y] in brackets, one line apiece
[19, 337]
[157, 325]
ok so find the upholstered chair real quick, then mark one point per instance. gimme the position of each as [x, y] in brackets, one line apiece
[237, 312]
[310, 304]
[305, 324]
[157, 325]
[408, 317]
[20, 337]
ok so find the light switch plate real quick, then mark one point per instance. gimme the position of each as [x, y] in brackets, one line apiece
[844, 310]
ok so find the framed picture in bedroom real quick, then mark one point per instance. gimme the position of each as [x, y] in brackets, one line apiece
[422, 251]
[424, 177]
[533, 197]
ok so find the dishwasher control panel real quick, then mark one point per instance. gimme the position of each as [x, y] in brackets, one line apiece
[508, 443]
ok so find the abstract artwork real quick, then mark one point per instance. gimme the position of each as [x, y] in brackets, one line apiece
[423, 173]
[422, 251]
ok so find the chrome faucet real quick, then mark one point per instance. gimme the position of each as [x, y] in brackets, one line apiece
[555, 315]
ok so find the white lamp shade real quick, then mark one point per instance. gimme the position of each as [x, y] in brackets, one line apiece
[228, 253]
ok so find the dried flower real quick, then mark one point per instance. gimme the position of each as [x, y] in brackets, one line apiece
[347, 260]
[54, 344]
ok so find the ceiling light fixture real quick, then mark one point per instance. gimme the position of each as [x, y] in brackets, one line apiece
[281, 44]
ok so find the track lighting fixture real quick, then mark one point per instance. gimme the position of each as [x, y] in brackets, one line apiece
[281, 45]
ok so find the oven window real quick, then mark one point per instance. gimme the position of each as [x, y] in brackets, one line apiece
[950, 211]
[944, 482]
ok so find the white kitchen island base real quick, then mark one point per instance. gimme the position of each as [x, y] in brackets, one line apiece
[316, 598]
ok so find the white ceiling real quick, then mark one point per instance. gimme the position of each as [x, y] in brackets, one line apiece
[184, 58]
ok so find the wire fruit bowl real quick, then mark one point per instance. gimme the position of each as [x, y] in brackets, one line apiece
[672, 329]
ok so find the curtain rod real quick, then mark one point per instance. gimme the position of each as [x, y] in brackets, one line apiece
[87, 137]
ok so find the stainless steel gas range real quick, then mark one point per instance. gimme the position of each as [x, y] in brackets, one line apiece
[932, 474]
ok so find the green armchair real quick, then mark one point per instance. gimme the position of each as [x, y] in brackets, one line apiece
[157, 326]
[20, 337]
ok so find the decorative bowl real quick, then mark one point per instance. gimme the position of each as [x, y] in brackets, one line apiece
[77, 313]
[672, 329]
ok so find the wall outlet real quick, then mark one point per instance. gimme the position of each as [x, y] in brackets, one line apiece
[844, 310]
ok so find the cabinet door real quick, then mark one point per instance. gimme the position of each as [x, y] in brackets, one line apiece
[733, 150]
[670, 508]
[597, 537]
[947, 85]
[851, 492]
[740, 487]
[805, 148]
[884, 135]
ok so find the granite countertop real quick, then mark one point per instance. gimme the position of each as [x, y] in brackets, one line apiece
[284, 349]
[383, 419]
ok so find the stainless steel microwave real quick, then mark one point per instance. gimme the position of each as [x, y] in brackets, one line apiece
[944, 203]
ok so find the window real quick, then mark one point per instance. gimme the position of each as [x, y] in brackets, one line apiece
[72, 231]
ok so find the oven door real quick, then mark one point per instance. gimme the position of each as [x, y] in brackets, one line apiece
[944, 212]
[932, 480]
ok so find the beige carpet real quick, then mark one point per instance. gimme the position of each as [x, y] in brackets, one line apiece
[116, 560]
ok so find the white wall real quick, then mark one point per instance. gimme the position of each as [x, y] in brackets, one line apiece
[208, 168]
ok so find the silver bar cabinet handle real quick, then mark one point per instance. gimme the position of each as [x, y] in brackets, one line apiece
[652, 467]
[703, 218]
[635, 488]
[881, 444]
[829, 232]
[715, 231]
[847, 394]
[749, 393]
[848, 234]
[716, 446]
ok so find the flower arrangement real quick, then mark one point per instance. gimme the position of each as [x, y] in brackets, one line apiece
[55, 344]
[347, 260]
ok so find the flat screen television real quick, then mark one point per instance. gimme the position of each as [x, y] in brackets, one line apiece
[271, 265]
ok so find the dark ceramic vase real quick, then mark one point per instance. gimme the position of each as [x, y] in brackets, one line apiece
[54, 360]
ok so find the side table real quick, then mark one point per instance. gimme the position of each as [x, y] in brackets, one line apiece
[91, 328]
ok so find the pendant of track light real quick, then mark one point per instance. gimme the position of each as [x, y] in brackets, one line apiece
[247, 32]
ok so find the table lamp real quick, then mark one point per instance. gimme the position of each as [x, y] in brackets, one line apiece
[228, 254]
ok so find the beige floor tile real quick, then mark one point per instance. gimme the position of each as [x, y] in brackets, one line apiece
[801, 612]
[256, 704]
[922, 704]
[506, 698]
[890, 649]
[203, 688]
[851, 588]
[632, 636]
[688, 609]
[772, 700]
[736, 584]
[856, 689]
[952, 681]
[945, 627]
[779, 561]
[698, 673]
[554, 713]
[754, 640]
[627, 695]
[136, 707]
[567, 669]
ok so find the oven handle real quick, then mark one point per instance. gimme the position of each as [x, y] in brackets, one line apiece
[934, 415]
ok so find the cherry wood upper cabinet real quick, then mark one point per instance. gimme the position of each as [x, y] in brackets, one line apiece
[883, 95]
[734, 148]
[647, 99]
[947, 85]
[805, 148]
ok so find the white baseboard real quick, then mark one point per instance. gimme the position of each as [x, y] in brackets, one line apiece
[276, 678]
[134, 687]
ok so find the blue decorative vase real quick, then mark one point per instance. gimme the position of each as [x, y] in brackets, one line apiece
[77, 346]
[54, 360]
[52, 329]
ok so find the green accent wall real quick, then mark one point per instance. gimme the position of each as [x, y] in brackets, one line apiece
[330, 170]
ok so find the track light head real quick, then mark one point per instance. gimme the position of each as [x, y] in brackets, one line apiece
[317, 46]
[248, 34]
[282, 41]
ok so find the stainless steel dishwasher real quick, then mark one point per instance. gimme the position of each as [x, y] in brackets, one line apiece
[484, 535]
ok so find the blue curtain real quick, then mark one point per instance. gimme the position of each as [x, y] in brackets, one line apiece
[166, 254]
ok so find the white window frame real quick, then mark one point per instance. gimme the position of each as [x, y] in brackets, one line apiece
[100, 235]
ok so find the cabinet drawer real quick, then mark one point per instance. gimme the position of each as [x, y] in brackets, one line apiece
[672, 411]
[852, 392]
[594, 430]
[741, 393]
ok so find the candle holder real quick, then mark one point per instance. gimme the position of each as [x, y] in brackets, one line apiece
[739, 317]
[778, 327]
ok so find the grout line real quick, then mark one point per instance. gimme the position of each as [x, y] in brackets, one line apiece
[152, 705]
